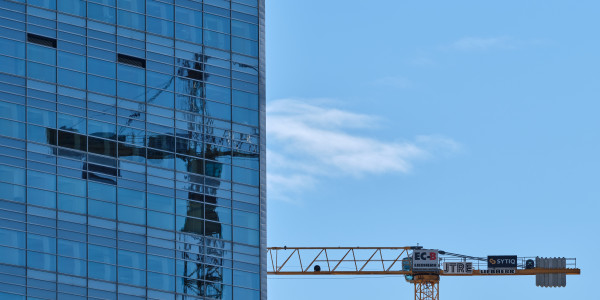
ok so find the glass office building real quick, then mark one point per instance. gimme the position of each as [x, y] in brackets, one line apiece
[132, 149]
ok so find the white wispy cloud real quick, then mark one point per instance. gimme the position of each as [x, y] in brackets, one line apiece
[481, 43]
[309, 141]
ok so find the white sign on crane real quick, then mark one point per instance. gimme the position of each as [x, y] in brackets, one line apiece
[425, 260]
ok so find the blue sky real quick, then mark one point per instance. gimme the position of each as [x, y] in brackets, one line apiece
[467, 126]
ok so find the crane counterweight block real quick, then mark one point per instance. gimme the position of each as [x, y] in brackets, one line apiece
[551, 279]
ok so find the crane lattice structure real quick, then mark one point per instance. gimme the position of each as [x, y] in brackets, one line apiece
[399, 261]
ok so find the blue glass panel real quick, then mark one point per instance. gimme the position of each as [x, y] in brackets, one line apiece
[161, 203]
[12, 238]
[12, 48]
[49, 4]
[101, 85]
[71, 78]
[41, 54]
[41, 117]
[40, 135]
[216, 23]
[187, 16]
[72, 266]
[161, 220]
[41, 72]
[12, 256]
[218, 110]
[72, 123]
[132, 197]
[72, 203]
[160, 27]
[132, 276]
[74, 7]
[188, 33]
[102, 271]
[161, 264]
[246, 236]
[12, 175]
[12, 192]
[12, 111]
[244, 46]
[245, 116]
[131, 91]
[41, 261]
[72, 249]
[160, 81]
[101, 67]
[245, 99]
[41, 243]
[131, 74]
[101, 209]
[72, 186]
[132, 259]
[101, 191]
[132, 215]
[161, 282]
[101, 129]
[246, 219]
[161, 159]
[41, 198]
[101, 13]
[102, 254]
[130, 19]
[244, 29]
[12, 65]
[218, 93]
[240, 293]
[71, 61]
[133, 5]
[245, 176]
[159, 9]
[160, 97]
[41, 180]
[246, 279]
[217, 40]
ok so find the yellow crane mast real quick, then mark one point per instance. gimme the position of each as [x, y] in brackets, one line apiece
[420, 267]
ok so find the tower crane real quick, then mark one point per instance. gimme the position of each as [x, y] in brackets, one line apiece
[421, 267]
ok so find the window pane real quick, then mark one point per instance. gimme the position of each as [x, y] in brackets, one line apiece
[102, 209]
[72, 203]
[41, 72]
[132, 276]
[101, 13]
[12, 238]
[246, 236]
[132, 215]
[12, 174]
[161, 220]
[74, 7]
[102, 271]
[12, 256]
[130, 19]
[41, 261]
[161, 203]
[72, 249]
[216, 23]
[72, 266]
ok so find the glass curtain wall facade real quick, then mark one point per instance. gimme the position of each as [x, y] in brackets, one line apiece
[132, 149]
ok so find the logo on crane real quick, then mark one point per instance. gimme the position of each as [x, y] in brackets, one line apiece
[502, 262]
[425, 260]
